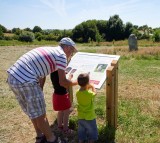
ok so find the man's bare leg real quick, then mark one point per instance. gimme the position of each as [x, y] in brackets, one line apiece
[41, 124]
[38, 131]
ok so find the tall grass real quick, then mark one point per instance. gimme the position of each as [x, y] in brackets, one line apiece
[142, 53]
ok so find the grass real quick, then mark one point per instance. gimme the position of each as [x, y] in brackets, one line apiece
[135, 123]
[19, 43]
[7, 103]
[138, 98]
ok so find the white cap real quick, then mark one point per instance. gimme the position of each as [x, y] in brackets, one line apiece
[69, 42]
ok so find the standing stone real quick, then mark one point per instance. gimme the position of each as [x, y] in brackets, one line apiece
[132, 42]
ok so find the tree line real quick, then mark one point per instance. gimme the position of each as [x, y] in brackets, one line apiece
[87, 31]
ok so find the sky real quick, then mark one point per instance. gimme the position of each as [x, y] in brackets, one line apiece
[66, 14]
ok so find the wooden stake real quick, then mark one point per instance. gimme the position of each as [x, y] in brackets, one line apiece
[110, 96]
[115, 64]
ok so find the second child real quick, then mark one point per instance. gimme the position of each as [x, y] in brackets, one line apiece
[87, 127]
[61, 103]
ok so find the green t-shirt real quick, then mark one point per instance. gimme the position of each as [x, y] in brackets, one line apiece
[85, 100]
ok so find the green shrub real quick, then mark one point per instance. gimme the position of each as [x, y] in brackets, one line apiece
[1, 34]
[99, 112]
[50, 37]
[73, 123]
[106, 134]
[8, 38]
[156, 36]
[26, 36]
[39, 36]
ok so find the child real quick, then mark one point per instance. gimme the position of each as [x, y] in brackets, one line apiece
[87, 128]
[61, 103]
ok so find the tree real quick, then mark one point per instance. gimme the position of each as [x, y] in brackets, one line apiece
[84, 31]
[78, 33]
[90, 30]
[4, 29]
[37, 29]
[16, 31]
[102, 26]
[27, 29]
[98, 37]
[146, 31]
[115, 29]
[128, 29]
[1, 34]
[156, 36]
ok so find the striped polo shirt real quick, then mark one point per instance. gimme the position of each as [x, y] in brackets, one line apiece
[38, 63]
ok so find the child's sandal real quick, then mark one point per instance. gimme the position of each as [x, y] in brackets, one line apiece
[57, 140]
[41, 139]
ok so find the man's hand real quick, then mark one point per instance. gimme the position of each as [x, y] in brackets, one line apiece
[42, 82]
[63, 81]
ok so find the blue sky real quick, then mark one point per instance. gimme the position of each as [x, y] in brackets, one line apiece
[66, 14]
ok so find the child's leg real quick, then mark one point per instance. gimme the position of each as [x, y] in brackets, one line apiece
[60, 119]
[65, 119]
[92, 130]
[82, 135]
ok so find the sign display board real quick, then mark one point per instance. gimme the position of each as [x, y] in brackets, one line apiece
[94, 64]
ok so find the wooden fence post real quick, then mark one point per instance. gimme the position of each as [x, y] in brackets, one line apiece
[110, 96]
[115, 64]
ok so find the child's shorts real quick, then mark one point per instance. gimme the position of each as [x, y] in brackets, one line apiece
[61, 102]
[87, 130]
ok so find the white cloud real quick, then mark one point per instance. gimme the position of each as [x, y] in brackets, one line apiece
[106, 9]
[59, 6]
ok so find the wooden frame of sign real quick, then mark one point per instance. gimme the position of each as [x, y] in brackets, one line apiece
[112, 94]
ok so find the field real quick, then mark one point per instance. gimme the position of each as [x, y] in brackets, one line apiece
[138, 97]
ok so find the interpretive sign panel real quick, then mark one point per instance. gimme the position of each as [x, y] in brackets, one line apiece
[94, 64]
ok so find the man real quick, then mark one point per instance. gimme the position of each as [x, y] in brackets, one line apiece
[26, 79]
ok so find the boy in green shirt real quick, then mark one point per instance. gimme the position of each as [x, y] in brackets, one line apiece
[87, 127]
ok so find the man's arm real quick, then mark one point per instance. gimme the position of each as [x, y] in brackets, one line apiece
[63, 81]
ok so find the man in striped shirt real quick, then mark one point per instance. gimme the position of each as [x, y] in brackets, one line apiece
[26, 79]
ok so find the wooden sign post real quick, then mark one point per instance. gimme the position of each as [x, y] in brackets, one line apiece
[112, 94]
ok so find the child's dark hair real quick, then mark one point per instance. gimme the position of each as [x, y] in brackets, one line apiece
[83, 79]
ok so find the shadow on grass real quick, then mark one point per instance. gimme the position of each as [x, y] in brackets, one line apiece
[106, 134]
[67, 138]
